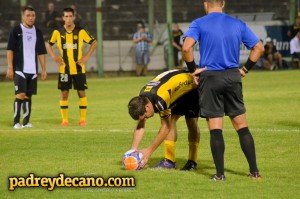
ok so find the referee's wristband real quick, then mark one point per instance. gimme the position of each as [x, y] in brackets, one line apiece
[249, 64]
[191, 66]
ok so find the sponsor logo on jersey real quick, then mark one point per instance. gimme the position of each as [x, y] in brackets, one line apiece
[182, 84]
[69, 46]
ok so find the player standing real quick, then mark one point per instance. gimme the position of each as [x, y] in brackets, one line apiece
[70, 40]
[25, 46]
[220, 86]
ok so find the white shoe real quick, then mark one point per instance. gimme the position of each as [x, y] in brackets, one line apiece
[17, 126]
[28, 125]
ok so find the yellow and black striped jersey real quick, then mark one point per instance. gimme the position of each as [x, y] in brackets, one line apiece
[166, 88]
[70, 47]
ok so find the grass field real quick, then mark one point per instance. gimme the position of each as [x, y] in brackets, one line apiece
[273, 107]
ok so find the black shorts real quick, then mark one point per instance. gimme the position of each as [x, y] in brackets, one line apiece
[65, 82]
[25, 83]
[187, 105]
[221, 92]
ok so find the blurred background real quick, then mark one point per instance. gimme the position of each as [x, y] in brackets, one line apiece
[269, 20]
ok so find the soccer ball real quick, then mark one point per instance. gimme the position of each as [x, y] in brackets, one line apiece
[132, 160]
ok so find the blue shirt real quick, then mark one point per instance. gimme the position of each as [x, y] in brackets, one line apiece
[142, 45]
[220, 36]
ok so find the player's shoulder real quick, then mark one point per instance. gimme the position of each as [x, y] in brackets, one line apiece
[17, 28]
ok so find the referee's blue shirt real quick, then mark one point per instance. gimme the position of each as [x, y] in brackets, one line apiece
[219, 36]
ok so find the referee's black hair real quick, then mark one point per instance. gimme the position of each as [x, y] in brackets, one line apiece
[137, 106]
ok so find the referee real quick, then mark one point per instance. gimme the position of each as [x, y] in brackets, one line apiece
[25, 46]
[220, 86]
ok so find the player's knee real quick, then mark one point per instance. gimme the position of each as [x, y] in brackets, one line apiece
[21, 96]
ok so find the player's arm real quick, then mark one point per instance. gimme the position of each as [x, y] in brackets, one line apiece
[138, 134]
[58, 59]
[136, 39]
[188, 57]
[255, 53]
[160, 137]
[10, 70]
[91, 50]
[42, 59]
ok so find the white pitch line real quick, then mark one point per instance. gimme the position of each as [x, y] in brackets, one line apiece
[129, 131]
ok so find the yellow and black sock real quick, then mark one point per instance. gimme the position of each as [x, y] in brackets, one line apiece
[82, 108]
[193, 151]
[170, 150]
[64, 109]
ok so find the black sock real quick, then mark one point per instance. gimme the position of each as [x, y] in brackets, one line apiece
[17, 110]
[217, 149]
[247, 145]
[26, 110]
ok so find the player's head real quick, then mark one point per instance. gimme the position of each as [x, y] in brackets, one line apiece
[140, 108]
[213, 5]
[28, 16]
[68, 16]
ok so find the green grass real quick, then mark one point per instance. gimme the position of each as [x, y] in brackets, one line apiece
[273, 108]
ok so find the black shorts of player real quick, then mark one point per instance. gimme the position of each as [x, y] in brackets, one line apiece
[221, 92]
[65, 82]
[25, 83]
[187, 105]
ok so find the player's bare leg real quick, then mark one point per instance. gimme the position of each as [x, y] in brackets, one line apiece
[169, 146]
[82, 107]
[64, 107]
[194, 139]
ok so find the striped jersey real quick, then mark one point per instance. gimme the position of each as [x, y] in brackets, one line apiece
[166, 88]
[70, 46]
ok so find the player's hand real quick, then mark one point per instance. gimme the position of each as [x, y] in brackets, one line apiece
[243, 74]
[43, 75]
[196, 74]
[10, 73]
[146, 155]
[58, 60]
[82, 60]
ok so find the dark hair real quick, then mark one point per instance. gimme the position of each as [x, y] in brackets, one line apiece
[68, 10]
[137, 106]
[214, 1]
[29, 8]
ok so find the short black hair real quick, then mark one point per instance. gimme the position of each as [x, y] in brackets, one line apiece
[68, 10]
[137, 106]
[29, 8]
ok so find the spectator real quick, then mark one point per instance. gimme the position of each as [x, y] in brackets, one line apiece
[271, 55]
[177, 33]
[295, 49]
[142, 40]
[52, 19]
[294, 28]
